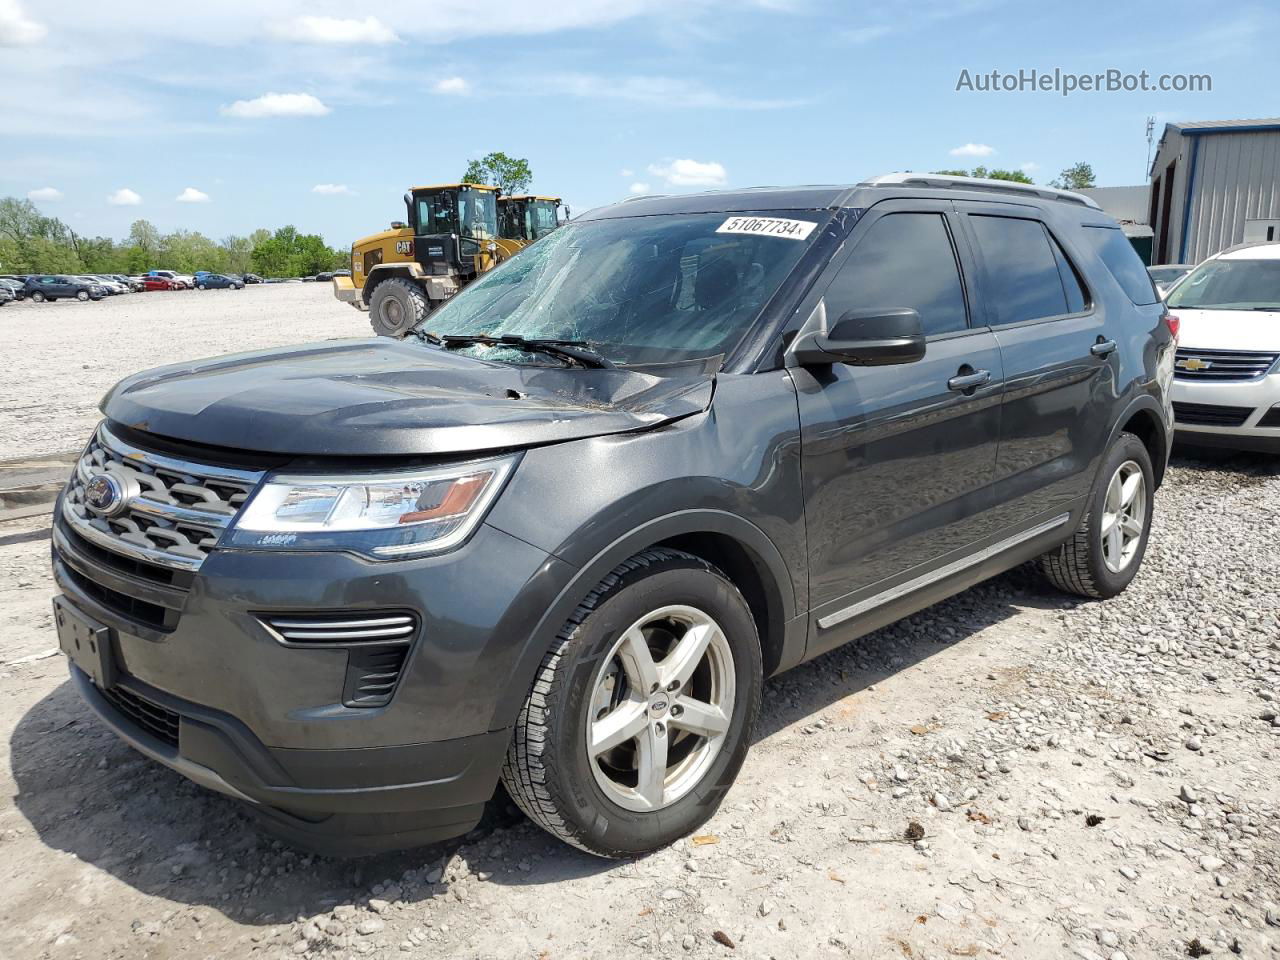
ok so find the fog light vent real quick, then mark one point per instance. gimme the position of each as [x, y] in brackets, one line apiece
[377, 645]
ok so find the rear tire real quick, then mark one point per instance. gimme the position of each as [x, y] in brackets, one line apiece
[396, 306]
[1104, 554]
[679, 622]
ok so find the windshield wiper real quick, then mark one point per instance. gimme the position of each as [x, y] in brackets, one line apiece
[575, 351]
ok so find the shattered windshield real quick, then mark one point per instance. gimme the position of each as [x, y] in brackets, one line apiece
[653, 289]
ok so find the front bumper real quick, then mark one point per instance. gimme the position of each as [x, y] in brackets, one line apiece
[1247, 411]
[263, 721]
[336, 802]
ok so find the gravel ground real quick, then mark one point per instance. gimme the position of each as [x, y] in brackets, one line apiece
[1011, 773]
[76, 351]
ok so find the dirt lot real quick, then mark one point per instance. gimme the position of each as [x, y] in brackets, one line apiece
[1088, 780]
[75, 351]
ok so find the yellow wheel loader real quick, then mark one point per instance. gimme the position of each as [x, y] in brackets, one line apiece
[525, 218]
[402, 274]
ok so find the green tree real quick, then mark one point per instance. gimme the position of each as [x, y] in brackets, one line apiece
[237, 254]
[509, 174]
[1078, 176]
[287, 253]
[1016, 176]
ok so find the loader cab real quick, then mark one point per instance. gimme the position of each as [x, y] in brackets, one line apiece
[527, 218]
[454, 226]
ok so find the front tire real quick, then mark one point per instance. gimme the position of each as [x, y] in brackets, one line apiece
[37, 297]
[1104, 554]
[396, 307]
[641, 713]
[82, 295]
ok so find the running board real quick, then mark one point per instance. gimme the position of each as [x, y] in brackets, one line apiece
[933, 576]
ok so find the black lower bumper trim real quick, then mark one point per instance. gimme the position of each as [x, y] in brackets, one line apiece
[342, 801]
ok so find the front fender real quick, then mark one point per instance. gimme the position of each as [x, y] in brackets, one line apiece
[762, 550]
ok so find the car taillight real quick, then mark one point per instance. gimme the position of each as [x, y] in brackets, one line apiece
[1174, 324]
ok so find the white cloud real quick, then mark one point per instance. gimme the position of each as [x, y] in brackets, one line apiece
[277, 105]
[665, 92]
[44, 194]
[638, 188]
[336, 31]
[1029, 167]
[124, 197]
[860, 35]
[972, 150]
[690, 173]
[332, 189]
[454, 85]
[192, 195]
[16, 28]
[626, 172]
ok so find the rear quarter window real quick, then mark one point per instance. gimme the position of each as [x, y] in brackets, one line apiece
[1119, 257]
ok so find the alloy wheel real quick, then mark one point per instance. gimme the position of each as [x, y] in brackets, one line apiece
[1124, 516]
[660, 708]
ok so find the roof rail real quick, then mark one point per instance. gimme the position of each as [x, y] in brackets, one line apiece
[644, 196]
[979, 183]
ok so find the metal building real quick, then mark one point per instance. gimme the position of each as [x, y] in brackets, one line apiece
[1129, 205]
[1214, 184]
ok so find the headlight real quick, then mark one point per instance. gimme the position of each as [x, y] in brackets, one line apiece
[384, 516]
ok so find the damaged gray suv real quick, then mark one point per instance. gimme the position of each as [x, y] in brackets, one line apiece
[559, 535]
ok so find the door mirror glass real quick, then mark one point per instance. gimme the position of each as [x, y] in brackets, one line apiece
[866, 338]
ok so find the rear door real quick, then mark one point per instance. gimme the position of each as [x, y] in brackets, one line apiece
[1058, 360]
[898, 461]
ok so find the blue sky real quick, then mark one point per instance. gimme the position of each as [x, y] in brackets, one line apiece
[320, 114]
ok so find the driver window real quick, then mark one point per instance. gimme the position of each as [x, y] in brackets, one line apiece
[904, 260]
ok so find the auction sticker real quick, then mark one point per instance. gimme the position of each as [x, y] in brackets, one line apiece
[768, 227]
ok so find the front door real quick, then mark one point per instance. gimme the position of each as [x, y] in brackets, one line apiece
[897, 460]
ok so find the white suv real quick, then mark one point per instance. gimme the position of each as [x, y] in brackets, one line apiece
[1226, 388]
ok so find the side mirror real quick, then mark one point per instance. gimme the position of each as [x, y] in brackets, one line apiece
[865, 338]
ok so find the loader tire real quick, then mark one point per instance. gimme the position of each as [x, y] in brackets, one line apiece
[396, 307]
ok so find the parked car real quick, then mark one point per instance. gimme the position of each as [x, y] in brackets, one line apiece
[6, 295]
[53, 287]
[1167, 274]
[216, 281]
[133, 283]
[251, 278]
[160, 283]
[113, 287]
[322, 277]
[1226, 388]
[16, 287]
[791, 417]
[183, 281]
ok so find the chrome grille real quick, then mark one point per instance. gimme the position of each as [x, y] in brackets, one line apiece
[1190, 364]
[176, 515]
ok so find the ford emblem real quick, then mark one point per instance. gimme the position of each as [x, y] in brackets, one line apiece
[104, 494]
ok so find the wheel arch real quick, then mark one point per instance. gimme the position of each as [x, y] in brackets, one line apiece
[389, 271]
[741, 550]
[1145, 420]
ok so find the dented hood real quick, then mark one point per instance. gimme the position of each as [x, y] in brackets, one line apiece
[380, 397]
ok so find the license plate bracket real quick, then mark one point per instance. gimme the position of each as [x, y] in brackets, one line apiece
[86, 643]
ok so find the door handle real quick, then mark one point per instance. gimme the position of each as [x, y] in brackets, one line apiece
[1103, 348]
[969, 381]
